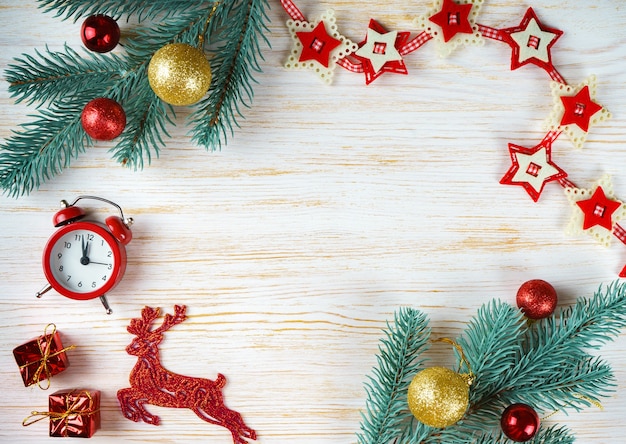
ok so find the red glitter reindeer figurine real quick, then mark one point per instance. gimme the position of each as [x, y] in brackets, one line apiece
[153, 384]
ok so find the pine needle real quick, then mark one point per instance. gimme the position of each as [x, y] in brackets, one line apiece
[397, 362]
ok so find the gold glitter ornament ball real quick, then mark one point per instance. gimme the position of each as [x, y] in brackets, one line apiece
[438, 396]
[179, 74]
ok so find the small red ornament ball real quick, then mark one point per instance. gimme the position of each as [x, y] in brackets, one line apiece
[519, 422]
[103, 119]
[100, 33]
[537, 299]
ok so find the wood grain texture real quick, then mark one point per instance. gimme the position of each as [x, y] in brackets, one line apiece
[330, 207]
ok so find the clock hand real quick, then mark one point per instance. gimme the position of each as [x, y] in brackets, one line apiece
[85, 247]
[98, 263]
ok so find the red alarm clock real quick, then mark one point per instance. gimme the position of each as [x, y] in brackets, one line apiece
[85, 259]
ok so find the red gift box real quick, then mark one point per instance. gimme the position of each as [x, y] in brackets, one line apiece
[41, 358]
[72, 413]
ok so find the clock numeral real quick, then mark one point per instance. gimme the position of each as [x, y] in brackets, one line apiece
[104, 278]
[93, 284]
[88, 237]
[60, 255]
[61, 268]
[110, 267]
[68, 245]
[109, 254]
[80, 284]
[68, 278]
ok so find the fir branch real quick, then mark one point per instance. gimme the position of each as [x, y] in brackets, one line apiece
[43, 148]
[593, 322]
[148, 116]
[550, 435]
[50, 75]
[232, 28]
[143, 9]
[397, 362]
[553, 371]
[233, 64]
[492, 343]
[557, 345]
[146, 119]
[185, 27]
[576, 383]
[544, 364]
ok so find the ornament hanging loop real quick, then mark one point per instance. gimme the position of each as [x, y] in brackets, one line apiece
[206, 25]
[469, 376]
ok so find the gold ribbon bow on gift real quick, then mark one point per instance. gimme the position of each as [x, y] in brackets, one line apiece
[45, 355]
[71, 411]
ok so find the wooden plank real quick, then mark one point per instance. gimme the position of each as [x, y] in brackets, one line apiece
[330, 207]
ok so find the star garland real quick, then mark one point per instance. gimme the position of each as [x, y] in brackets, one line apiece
[318, 46]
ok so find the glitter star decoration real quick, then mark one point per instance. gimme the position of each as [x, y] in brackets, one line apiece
[595, 211]
[380, 52]
[532, 168]
[318, 45]
[531, 42]
[575, 110]
[451, 24]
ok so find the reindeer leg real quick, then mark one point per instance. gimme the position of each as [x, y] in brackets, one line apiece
[133, 407]
[228, 419]
[128, 405]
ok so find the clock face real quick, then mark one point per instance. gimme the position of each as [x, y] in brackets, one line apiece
[83, 260]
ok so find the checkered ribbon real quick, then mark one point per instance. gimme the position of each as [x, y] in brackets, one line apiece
[490, 33]
[415, 43]
[554, 75]
[350, 66]
[293, 11]
[566, 183]
[620, 233]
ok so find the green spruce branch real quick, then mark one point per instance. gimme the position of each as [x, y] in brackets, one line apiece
[236, 59]
[545, 364]
[142, 9]
[61, 83]
[398, 361]
[549, 435]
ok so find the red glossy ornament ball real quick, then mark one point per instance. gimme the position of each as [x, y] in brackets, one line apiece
[103, 119]
[537, 299]
[519, 422]
[100, 33]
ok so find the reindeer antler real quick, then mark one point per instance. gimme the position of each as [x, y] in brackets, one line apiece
[170, 320]
[139, 326]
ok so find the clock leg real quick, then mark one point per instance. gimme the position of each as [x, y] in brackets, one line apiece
[43, 291]
[104, 301]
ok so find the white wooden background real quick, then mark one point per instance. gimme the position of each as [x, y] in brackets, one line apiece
[331, 207]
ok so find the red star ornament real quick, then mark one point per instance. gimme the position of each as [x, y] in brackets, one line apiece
[531, 42]
[579, 109]
[595, 211]
[598, 210]
[575, 110]
[453, 19]
[451, 23]
[532, 168]
[374, 52]
[318, 45]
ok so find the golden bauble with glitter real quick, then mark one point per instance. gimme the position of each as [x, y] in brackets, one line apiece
[179, 74]
[438, 396]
